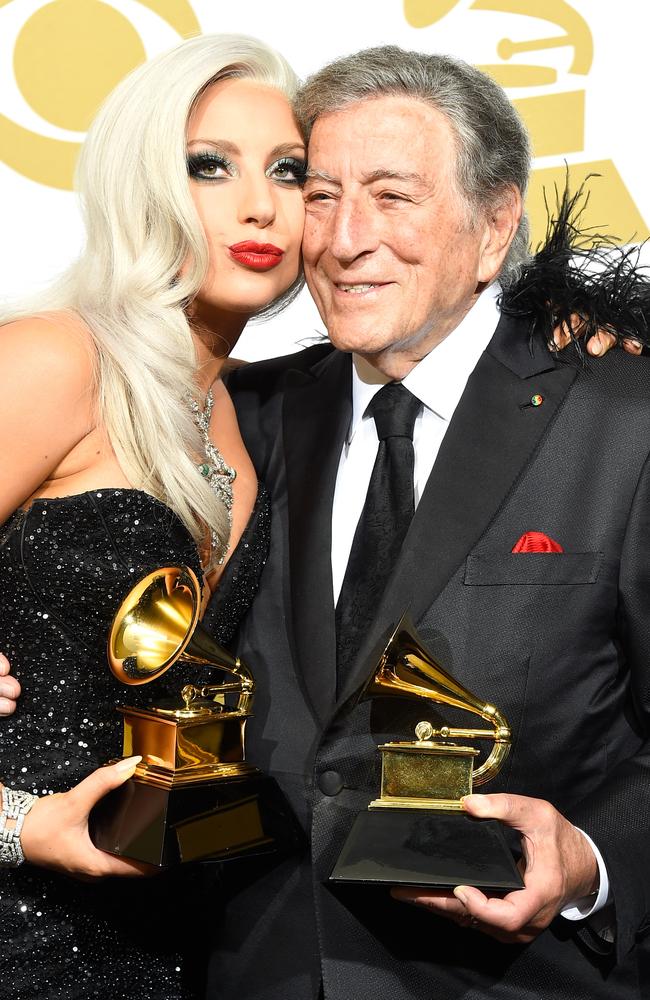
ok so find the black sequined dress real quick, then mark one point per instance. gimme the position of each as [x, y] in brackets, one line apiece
[65, 565]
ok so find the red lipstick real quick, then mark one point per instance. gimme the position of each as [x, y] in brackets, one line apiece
[258, 256]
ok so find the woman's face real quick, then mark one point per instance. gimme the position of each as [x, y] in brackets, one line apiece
[246, 161]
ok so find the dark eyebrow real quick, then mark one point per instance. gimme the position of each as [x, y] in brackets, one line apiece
[289, 148]
[222, 145]
[283, 149]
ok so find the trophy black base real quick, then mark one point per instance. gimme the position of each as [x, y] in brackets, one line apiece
[423, 847]
[207, 821]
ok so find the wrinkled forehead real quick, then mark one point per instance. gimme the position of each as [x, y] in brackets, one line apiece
[383, 134]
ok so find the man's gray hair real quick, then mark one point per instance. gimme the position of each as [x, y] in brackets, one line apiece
[493, 149]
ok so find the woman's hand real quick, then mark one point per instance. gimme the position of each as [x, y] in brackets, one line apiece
[597, 345]
[9, 688]
[55, 832]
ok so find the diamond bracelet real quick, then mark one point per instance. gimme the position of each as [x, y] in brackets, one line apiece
[15, 806]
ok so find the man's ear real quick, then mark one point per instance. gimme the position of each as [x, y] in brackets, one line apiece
[502, 220]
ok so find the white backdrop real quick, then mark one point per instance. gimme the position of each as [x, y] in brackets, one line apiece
[579, 67]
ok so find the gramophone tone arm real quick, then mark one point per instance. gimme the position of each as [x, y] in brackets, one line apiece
[449, 732]
[245, 688]
[502, 737]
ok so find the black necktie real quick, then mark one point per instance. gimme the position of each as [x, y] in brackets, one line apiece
[384, 521]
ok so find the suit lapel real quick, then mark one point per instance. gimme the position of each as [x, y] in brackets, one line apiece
[492, 436]
[316, 416]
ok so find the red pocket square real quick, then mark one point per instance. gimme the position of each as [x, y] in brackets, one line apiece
[537, 541]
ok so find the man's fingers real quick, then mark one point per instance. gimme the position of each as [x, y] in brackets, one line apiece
[506, 913]
[509, 919]
[100, 782]
[508, 808]
[515, 918]
[443, 903]
[518, 811]
[417, 894]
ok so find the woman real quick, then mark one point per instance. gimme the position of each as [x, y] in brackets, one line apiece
[121, 452]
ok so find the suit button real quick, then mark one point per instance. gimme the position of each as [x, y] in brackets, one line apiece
[330, 782]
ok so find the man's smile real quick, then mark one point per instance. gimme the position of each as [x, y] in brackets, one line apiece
[360, 288]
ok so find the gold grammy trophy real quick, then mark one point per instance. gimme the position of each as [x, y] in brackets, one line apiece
[416, 832]
[193, 795]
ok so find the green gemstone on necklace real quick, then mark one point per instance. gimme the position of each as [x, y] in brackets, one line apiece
[205, 469]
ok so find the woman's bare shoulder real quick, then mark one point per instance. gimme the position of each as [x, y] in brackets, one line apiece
[46, 346]
[47, 400]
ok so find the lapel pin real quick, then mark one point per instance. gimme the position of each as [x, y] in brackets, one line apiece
[535, 400]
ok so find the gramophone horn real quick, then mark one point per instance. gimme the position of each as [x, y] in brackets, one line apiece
[407, 669]
[157, 624]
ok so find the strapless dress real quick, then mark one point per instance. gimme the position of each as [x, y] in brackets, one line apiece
[65, 566]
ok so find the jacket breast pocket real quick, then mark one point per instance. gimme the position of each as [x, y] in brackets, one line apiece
[532, 569]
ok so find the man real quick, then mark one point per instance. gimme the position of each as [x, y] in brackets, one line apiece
[418, 167]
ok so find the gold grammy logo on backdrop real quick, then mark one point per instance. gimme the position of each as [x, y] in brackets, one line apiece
[556, 120]
[67, 57]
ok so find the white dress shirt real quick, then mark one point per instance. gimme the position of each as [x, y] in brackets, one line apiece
[438, 381]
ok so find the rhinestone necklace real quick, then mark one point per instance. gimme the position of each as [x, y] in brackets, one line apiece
[219, 475]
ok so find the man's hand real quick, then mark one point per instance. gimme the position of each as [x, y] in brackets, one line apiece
[598, 345]
[55, 831]
[9, 688]
[558, 867]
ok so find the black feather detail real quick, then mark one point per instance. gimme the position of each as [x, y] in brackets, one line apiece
[582, 282]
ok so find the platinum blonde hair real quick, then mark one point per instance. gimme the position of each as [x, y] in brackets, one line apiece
[493, 149]
[127, 285]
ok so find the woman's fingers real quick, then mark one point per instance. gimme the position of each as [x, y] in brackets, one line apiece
[55, 832]
[9, 688]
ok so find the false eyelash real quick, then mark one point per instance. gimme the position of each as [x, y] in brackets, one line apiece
[297, 167]
[197, 161]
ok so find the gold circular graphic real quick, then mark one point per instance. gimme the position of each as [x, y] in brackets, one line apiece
[69, 55]
[423, 13]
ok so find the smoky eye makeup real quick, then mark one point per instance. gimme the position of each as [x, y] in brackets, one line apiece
[208, 165]
[288, 170]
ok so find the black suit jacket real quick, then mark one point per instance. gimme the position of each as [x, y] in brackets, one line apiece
[561, 643]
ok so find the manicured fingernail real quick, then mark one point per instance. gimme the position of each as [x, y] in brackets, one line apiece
[460, 894]
[128, 764]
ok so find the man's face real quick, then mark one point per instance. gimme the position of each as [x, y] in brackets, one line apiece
[392, 257]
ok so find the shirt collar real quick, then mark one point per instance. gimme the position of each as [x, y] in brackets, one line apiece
[439, 379]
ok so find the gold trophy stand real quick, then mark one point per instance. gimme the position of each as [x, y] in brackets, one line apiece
[193, 795]
[417, 833]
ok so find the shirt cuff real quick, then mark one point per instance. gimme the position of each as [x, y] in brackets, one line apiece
[579, 909]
